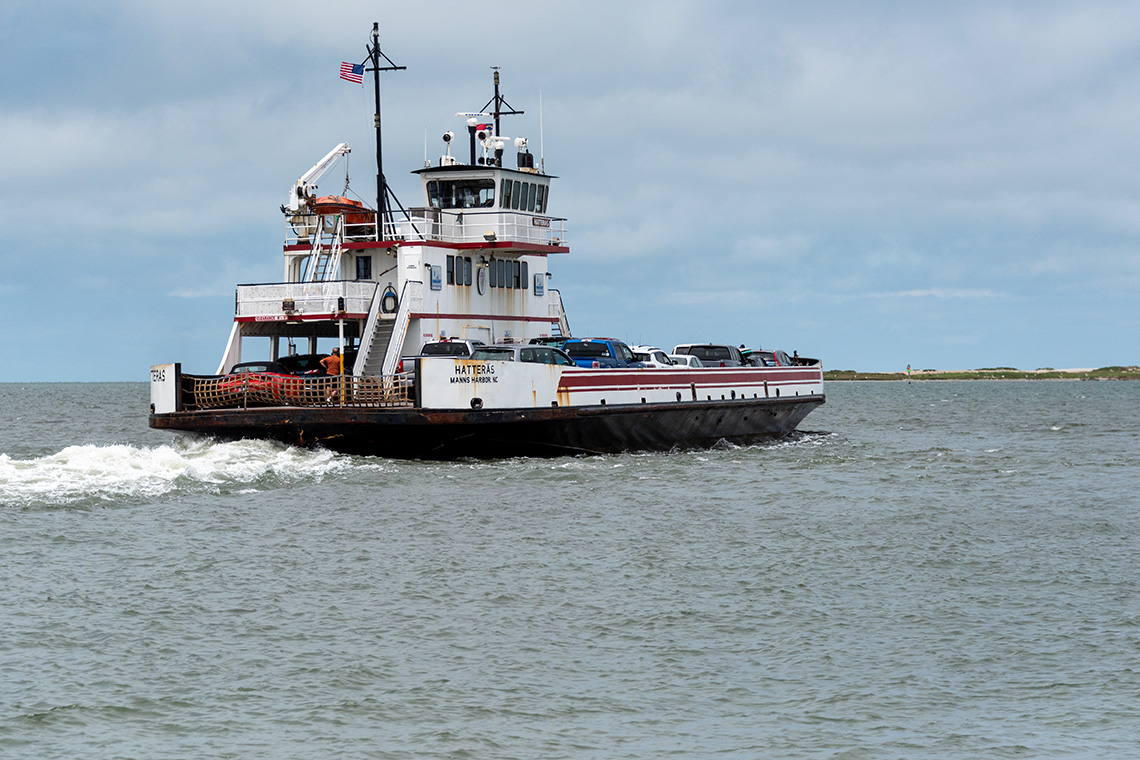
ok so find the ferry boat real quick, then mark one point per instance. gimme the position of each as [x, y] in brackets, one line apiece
[470, 263]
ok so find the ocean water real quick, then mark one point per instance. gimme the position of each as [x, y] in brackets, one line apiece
[928, 570]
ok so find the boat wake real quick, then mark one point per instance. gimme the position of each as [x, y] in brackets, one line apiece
[92, 476]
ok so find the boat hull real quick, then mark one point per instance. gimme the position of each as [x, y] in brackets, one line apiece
[415, 433]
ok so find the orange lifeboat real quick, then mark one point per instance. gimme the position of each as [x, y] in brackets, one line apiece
[355, 212]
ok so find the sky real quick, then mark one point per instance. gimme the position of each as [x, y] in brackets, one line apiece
[945, 185]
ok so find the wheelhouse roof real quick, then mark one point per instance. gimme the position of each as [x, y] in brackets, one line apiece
[481, 170]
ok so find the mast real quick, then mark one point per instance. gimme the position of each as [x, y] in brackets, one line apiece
[375, 54]
[499, 102]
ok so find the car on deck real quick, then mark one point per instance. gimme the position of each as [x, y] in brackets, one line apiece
[686, 360]
[651, 356]
[551, 340]
[448, 347]
[600, 353]
[531, 354]
[275, 368]
[310, 364]
[712, 354]
[259, 383]
[759, 358]
[299, 364]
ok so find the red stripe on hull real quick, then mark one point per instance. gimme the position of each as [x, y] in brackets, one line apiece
[616, 379]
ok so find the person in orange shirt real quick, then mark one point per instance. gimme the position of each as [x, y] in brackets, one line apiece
[331, 363]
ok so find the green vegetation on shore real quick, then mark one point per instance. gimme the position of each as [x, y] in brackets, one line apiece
[998, 373]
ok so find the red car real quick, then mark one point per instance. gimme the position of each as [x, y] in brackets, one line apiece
[263, 382]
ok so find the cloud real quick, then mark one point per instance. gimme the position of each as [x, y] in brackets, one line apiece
[840, 163]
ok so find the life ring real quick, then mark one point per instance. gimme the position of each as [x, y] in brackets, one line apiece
[389, 302]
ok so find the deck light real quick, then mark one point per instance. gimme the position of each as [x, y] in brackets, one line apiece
[489, 236]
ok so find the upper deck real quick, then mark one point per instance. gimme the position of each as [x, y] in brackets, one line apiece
[465, 206]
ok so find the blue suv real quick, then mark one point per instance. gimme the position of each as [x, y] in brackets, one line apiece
[600, 353]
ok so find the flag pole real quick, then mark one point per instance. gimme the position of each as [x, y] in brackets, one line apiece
[381, 185]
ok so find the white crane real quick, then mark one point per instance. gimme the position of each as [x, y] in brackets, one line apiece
[304, 188]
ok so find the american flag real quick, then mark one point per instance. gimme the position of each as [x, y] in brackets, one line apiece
[353, 72]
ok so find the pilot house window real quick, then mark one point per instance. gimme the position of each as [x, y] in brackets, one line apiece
[523, 196]
[461, 193]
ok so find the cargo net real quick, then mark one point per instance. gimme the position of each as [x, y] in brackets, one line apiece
[261, 389]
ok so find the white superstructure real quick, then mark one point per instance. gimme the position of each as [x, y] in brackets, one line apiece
[469, 262]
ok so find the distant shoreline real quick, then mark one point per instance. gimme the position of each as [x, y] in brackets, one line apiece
[992, 373]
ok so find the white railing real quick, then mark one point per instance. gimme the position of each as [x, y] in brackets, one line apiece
[303, 230]
[450, 226]
[273, 299]
[555, 308]
[473, 226]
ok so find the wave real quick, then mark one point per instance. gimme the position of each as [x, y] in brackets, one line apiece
[91, 475]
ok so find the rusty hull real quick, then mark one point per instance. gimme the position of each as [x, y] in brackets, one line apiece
[411, 433]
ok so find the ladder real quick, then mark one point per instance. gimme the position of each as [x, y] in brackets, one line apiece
[324, 261]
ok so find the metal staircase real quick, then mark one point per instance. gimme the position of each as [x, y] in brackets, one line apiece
[374, 359]
[324, 261]
[384, 333]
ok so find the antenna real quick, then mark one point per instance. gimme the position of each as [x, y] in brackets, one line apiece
[541, 147]
[499, 102]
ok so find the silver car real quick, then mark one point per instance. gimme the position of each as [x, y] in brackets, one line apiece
[686, 360]
[522, 353]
